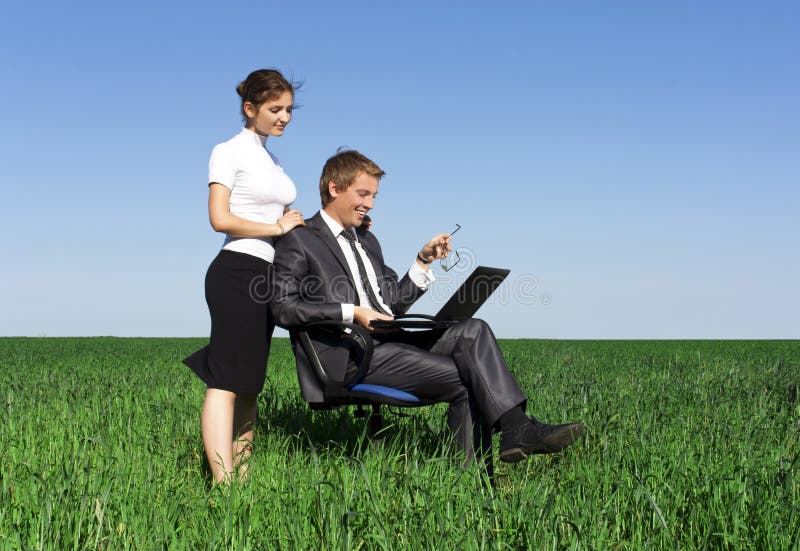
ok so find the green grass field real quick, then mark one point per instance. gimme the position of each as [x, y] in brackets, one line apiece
[691, 444]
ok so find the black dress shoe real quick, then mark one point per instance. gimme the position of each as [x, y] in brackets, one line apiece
[518, 444]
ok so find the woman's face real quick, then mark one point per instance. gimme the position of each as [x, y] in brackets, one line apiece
[271, 117]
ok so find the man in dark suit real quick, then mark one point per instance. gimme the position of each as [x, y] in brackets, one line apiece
[329, 271]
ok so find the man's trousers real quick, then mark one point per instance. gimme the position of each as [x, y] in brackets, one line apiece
[461, 365]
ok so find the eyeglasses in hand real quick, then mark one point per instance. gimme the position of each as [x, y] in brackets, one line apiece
[450, 261]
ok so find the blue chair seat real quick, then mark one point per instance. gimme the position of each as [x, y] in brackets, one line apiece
[379, 391]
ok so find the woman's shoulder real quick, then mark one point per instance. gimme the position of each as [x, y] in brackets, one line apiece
[227, 148]
[222, 152]
[230, 142]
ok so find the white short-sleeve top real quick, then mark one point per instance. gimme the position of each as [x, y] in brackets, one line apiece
[259, 188]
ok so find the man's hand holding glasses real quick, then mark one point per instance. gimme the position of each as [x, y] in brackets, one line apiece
[440, 248]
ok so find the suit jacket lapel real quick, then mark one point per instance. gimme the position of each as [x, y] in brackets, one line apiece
[385, 282]
[324, 233]
[373, 258]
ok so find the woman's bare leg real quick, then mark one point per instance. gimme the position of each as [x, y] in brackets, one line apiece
[244, 419]
[216, 424]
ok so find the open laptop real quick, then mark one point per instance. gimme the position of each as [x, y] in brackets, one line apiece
[467, 299]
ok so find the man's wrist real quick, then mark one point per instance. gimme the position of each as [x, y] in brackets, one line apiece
[423, 259]
[421, 275]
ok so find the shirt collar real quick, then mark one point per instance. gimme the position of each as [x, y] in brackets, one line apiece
[253, 137]
[335, 227]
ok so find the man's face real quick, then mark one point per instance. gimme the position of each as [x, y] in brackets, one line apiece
[351, 205]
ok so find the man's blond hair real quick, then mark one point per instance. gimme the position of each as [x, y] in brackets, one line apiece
[342, 169]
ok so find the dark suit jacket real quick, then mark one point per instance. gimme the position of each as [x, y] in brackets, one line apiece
[312, 280]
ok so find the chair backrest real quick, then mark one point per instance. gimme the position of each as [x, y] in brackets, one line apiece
[322, 390]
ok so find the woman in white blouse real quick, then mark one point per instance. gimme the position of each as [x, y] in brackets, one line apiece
[248, 200]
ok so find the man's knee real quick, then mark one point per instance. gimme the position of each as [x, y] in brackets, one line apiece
[474, 327]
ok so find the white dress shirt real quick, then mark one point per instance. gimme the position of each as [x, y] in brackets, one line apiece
[422, 278]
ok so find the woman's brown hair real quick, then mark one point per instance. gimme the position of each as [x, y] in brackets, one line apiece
[263, 85]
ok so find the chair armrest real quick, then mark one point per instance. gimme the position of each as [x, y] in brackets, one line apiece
[345, 330]
[420, 316]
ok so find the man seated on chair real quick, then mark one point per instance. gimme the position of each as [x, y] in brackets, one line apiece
[331, 269]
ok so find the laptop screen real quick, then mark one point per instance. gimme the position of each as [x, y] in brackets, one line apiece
[471, 295]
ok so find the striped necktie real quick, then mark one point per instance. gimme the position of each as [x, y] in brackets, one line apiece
[362, 273]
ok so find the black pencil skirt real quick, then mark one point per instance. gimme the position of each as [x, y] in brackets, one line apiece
[237, 292]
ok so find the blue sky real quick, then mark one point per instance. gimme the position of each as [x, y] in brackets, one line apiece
[635, 164]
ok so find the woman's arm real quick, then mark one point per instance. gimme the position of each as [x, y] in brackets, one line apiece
[219, 214]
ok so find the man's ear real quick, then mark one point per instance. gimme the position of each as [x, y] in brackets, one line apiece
[332, 189]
